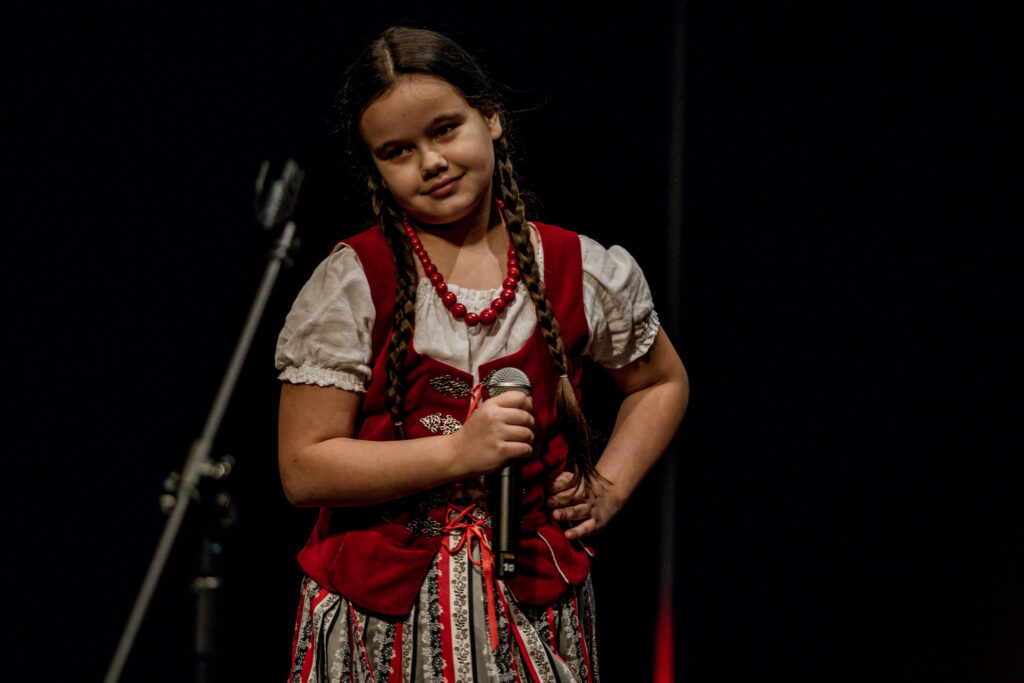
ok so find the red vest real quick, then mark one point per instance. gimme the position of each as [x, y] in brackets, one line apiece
[377, 556]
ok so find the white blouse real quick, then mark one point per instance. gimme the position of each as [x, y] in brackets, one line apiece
[326, 339]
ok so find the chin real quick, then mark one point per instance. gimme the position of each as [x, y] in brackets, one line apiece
[444, 216]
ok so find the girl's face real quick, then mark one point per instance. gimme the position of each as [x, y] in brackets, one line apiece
[433, 150]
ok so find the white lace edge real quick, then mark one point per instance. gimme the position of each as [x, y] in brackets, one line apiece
[322, 377]
[648, 330]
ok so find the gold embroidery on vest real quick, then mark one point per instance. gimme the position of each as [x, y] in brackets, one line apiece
[451, 386]
[435, 423]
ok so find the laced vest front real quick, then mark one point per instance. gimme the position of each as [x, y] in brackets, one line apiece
[377, 556]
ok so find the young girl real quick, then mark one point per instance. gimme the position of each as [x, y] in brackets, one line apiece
[385, 421]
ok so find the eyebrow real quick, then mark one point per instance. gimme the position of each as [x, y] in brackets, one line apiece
[440, 118]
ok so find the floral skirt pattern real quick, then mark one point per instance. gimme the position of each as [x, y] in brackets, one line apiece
[447, 635]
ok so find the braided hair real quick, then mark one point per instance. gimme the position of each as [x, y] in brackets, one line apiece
[397, 52]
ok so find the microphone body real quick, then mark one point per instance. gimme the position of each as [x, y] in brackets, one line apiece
[507, 485]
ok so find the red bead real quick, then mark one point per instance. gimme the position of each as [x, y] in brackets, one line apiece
[489, 314]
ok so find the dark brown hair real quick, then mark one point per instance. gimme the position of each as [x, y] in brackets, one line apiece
[397, 52]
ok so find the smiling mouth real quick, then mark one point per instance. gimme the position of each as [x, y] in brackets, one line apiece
[444, 187]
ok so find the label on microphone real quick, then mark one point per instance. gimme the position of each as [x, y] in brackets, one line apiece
[507, 566]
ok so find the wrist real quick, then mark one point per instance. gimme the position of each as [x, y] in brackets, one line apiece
[447, 450]
[610, 491]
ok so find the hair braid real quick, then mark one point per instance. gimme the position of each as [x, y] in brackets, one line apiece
[404, 317]
[397, 52]
[570, 415]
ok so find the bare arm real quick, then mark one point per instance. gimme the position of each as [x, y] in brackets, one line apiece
[321, 462]
[657, 391]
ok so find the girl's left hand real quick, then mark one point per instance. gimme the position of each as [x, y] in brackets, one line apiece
[572, 504]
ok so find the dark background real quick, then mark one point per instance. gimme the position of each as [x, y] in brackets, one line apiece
[847, 492]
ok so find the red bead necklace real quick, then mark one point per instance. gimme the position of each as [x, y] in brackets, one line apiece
[486, 316]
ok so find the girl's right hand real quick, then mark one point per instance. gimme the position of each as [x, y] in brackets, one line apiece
[499, 430]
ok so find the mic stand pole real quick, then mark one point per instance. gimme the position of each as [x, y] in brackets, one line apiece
[198, 463]
[218, 514]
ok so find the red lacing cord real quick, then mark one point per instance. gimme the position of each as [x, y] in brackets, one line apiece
[359, 639]
[474, 529]
[475, 392]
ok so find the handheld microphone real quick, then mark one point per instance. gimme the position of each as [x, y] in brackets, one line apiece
[506, 515]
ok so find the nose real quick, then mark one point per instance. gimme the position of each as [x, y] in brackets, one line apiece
[432, 162]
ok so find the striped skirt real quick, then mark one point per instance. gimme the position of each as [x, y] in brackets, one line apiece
[447, 635]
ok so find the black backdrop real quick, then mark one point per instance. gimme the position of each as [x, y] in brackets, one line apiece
[847, 496]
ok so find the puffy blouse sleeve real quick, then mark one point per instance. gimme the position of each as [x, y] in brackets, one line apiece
[618, 304]
[327, 336]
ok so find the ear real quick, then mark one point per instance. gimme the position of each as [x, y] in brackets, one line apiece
[493, 120]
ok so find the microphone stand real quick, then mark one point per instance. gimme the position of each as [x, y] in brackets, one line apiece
[198, 464]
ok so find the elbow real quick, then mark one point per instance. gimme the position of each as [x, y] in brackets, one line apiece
[298, 498]
[296, 494]
[683, 383]
[673, 388]
[298, 489]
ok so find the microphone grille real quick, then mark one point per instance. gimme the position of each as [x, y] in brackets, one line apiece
[278, 204]
[508, 379]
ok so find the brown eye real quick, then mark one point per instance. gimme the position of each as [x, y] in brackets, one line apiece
[445, 130]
